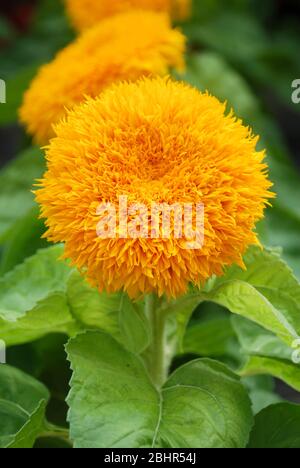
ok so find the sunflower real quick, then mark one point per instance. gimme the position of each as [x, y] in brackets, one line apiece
[86, 13]
[153, 141]
[124, 47]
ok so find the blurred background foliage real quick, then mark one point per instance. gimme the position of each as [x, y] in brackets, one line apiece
[246, 52]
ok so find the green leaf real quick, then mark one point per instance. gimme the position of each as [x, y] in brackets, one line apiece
[33, 298]
[50, 316]
[134, 326]
[267, 355]
[44, 295]
[16, 182]
[209, 337]
[29, 432]
[114, 313]
[89, 307]
[258, 341]
[261, 389]
[277, 427]
[33, 281]
[114, 404]
[178, 313]
[205, 406]
[279, 368]
[22, 408]
[24, 240]
[123, 319]
[266, 292]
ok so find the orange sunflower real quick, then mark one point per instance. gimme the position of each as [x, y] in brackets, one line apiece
[124, 47]
[153, 141]
[86, 13]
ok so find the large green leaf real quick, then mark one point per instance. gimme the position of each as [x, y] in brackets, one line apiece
[33, 298]
[50, 316]
[44, 295]
[25, 287]
[124, 319]
[266, 292]
[258, 341]
[178, 312]
[113, 313]
[134, 325]
[205, 405]
[22, 408]
[277, 427]
[266, 353]
[92, 309]
[30, 431]
[279, 368]
[16, 182]
[114, 404]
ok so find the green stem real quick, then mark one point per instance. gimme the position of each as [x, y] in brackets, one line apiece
[156, 353]
[55, 435]
[51, 430]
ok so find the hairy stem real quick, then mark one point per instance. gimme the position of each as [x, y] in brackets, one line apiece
[156, 353]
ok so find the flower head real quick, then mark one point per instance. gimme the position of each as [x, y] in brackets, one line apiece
[153, 141]
[124, 47]
[86, 13]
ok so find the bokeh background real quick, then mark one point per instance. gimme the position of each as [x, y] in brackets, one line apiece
[31, 31]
